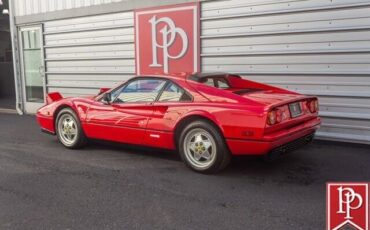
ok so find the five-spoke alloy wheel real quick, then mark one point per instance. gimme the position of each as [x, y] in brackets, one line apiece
[69, 130]
[202, 147]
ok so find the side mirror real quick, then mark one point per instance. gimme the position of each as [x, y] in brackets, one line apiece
[106, 99]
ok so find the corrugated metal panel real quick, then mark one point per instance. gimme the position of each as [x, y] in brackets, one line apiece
[87, 53]
[28, 7]
[313, 47]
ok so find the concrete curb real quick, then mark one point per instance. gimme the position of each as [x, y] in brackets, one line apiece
[8, 111]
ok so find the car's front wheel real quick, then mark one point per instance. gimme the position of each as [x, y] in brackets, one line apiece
[203, 148]
[69, 130]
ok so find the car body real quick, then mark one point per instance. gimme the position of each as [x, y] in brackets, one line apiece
[251, 118]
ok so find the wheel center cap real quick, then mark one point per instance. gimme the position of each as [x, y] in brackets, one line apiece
[199, 147]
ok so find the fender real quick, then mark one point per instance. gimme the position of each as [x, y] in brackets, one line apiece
[200, 113]
[79, 107]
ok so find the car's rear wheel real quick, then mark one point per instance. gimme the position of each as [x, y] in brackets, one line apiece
[69, 131]
[203, 148]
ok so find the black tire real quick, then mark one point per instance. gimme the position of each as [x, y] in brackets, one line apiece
[79, 139]
[221, 153]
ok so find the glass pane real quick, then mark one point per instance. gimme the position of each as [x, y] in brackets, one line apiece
[222, 83]
[32, 64]
[172, 93]
[209, 82]
[145, 90]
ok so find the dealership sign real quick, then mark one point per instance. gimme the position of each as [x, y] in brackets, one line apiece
[167, 39]
[347, 206]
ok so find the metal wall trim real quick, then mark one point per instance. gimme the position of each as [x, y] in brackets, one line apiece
[286, 32]
[253, 53]
[89, 58]
[90, 44]
[93, 73]
[88, 29]
[251, 14]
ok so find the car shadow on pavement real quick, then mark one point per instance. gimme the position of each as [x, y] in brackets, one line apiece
[315, 163]
[133, 149]
[293, 167]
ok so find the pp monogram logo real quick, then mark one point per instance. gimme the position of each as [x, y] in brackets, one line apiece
[347, 206]
[347, 198]
[169, 33]
[167, 39]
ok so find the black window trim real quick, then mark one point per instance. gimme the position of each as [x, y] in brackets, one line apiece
[167, 81]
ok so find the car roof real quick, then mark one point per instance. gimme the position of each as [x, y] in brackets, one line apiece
[199, 76]
[177, 76]
[191, 76]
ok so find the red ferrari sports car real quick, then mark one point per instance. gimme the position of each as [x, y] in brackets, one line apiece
[207, 118]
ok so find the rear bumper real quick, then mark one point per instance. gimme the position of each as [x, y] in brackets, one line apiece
[294, 137]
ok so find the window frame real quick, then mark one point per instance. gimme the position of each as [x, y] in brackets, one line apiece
[137, 79]
[177, 85]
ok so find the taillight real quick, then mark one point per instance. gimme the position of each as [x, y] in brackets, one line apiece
[313, 105]
[278, 115]
[271, 117]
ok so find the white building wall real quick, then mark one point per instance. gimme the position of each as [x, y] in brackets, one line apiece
[315, 47]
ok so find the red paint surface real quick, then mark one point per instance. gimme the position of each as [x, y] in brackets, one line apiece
[51, 97]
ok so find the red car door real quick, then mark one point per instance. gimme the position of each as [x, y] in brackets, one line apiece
[125, 118]
[173, 102]
[122, 123]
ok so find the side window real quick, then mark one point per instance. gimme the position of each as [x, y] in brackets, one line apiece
[209, 82]
[222, 83]
[218, 82]
[140, 90]
[173, 92]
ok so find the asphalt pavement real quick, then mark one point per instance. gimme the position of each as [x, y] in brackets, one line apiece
[110, 186]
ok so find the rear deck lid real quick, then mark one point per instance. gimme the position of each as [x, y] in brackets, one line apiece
[269, 98]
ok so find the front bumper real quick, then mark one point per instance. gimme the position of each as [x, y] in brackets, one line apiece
[46, 123]
[275, 141]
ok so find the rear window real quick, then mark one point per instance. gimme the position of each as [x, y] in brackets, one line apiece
[218, 82]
